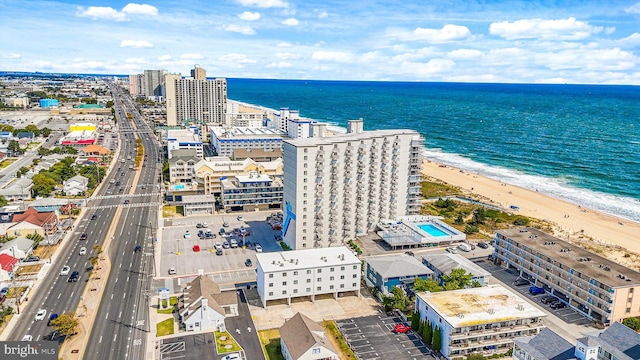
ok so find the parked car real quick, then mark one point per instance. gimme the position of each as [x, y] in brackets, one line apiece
[248, 263]
[205, 225]
[222, 231]
[172, 271]
[401, 328]
[198, 225]
[483, 245]
[234, 356]
[94, 216]
[32, 259]
[452, 250]
[521, 281]
[218, 246]
[225, 224]
[218, 251]
[558, 305]
[65, 270]
[200, 233]
[4, 291]
[547, 299]
[83, 251]
[240, 218]
[126, 202]
[41, 314]
[137, 248]
[258, 248]
[187, 234]
[534, 290]
[226, 244]
[234, 243]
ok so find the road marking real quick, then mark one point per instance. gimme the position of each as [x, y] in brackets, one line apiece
[115, 337]
[106, 317]
[111, 296]
[116, 279]
[100, 340]
[127, 278]
[124, 295]
[73, 292]
[120, 315]
[59, 295]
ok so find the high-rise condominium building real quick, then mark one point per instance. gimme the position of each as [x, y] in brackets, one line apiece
[136, 84]
[199, 100]
[199, 73]
[153, 82]
[337, 187]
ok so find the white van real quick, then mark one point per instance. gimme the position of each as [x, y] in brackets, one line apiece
[464, 247]
[234, 243]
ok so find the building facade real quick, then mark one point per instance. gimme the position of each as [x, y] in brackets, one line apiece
[181, 166]
[136, 84]
[198, 73]
[303, 339]
[251, 192]
[225, 141]
[443, 264]
[211, 172]
[338, 187]
[48, 103]
[599, 288]
[399, 270]
[307, 273]
[203, 101]
[482, 320]
[153, 80]
[184, 139]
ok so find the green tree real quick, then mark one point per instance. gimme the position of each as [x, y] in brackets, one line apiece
[70, 150]
[398, 300]
[45, 132]
[14, 147]
[43, 151]
[632, 322]
[109, 103]
[521, 221]
[415, 321]
[436, 342]
[165, 170]
[420, 328]
[43, 185]
[479, 216]
[471, 229]
[3, 201]
[428, 332]
[32, 128]
[459, 220]
[457, 279]
[426, 285]
[476, 356]
[66, 323]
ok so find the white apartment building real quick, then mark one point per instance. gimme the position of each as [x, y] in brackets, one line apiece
[136, 84]
[251, 192]
[307, 273]
[239, 115]
[184, 139]
[281, 119]
[226, 140]
[338, 187]
[482, 320]
[211, 172]
[191, 99]
[181, 166]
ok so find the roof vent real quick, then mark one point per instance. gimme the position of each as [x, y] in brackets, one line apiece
[491, 311]
[621, 276]
[520, 307]
[460, 315]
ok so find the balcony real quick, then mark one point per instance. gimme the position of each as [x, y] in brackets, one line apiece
[489, 330]
[335, 156]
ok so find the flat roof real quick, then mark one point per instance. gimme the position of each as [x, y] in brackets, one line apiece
[397, 265]
[342, 138]
[247, 132]
[305, 259]
[182, 135]
[595, 268]
[481, 305]
[253, 178]
[447, 262]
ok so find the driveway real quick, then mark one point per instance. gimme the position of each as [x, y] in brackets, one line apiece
[242, 328]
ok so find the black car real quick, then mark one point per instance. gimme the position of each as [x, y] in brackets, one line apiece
[520, 282]
[549, 299]
[94, 216]
[248, 263]
[74, 276]
[218, 251]
[558, 305]
[32, 259]
[483, 245]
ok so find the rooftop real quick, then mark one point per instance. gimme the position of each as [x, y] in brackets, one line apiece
[447, 262]
[246, 132]
[304, 259]
[240, 153]
[481, 305]
[341, 138]
[619, 340]
[301, 334]
[226, 164]
[588, 263]
[253, 177]
[547, 345]
[183, 135]
[397, 265]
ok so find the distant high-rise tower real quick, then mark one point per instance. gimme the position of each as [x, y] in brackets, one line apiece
[200, 100]
[136, 84]
[153, 82]
[198, 73]
[337, 187]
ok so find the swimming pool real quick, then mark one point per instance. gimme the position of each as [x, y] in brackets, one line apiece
[432, 230]
[178, 187]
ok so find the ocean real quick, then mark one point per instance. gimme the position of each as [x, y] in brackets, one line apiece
[580, 143]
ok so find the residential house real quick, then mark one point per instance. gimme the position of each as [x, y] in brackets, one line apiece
[3, 156]
[387, 271]
[18, 190]
[24, 228]
[303, 339]
[181, 166]
[95, 150]
[204, 306]
[49, 204]
[547, 345]
[47, 220]
[76, 185]
[442, 264]
[19, 248]
[7, 267]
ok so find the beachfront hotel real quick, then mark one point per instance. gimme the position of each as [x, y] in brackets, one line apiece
[599, 288]
[338, 187]
[482, 320]
[204, 101]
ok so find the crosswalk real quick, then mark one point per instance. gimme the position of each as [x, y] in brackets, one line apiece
[133, 205]
[120, 196]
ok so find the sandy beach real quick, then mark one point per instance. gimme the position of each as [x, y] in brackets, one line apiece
[570, 219]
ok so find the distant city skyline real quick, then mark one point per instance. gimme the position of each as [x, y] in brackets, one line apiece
[453, 41]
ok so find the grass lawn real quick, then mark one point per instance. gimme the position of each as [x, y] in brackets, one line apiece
[30, 269]
[171, 211]
[172, 301]
[164, 327]
[337, 339]
[270, 340]
[225, 343]
[7, 162]
[45, 251]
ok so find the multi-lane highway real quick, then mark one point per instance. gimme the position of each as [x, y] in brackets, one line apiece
[121, 320]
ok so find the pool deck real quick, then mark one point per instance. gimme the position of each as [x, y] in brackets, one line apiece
[407, 232]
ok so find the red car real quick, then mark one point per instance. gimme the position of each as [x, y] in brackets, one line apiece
[401, 328]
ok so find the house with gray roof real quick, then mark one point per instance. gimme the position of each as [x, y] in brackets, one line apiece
[204, 306]
[442, 264]
[547, 345]
[19, 247]
[76, 185]
[19, 189]
[401, 270]
[303, 339]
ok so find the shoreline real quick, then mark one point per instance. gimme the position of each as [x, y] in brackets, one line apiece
[568, 220]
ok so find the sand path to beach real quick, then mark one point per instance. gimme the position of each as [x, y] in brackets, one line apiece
[605, 229]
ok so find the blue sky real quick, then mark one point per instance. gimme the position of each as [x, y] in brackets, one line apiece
[595, 42]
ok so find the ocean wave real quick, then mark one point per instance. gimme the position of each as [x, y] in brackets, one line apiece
[624, 207]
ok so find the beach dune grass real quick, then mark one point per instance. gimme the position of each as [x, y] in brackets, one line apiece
[432, 189]
[270, 340]
[225, 343]
[164, 327]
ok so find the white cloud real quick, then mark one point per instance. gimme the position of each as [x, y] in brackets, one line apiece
[448, 33]
[287, 56]
[135, 61]
[428, 69]
[136, 44]
[610, 30]
[164, 58]
[264, 3]
[563, 29]
[9, 56]
[464, 54]
[335, 56]
[284, 44]
[192, 56]
[323, 15]
[279, 65]
[244, 30]
[249, 16]
[101, 12]
[237, 58]
[291, 22]
[109, 13]
[140, 9]
[632, 40]
[589, 59]
[633, 9]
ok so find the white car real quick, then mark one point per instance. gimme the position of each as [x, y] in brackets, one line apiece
[83, 250]
[172, 271]
[234, 356]
[187, 235]
[41, 314]
[240, 218]
[258, 248]
[205, 225]
[27, 338]
[65, 270]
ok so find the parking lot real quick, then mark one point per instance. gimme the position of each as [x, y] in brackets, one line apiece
[177, 250]
[372, 338]
[189, 347]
